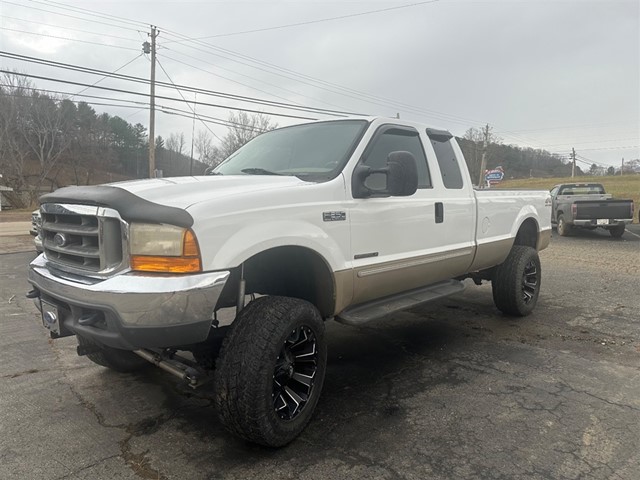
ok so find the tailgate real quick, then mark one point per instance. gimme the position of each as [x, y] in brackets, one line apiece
[611, 209]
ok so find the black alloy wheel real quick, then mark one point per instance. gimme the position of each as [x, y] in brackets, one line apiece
[294, 373]
[516, 282]
[270, 370]
[529, 282]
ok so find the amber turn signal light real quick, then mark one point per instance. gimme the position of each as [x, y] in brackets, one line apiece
[149, 263]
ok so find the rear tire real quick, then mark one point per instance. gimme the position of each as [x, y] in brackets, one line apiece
[270, 370]
[564, 229]
[516, 282]
[122, 361]
[617, 231]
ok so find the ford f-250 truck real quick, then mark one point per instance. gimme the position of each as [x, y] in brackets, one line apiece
[586, 205]
[350, 219]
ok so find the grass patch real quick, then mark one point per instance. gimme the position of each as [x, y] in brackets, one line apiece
[621, 186]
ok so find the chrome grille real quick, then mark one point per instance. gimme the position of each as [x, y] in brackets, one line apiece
[82, 237]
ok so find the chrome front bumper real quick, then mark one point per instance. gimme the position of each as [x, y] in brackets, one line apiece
[131, 311]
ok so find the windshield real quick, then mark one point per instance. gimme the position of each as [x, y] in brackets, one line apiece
[314, 151]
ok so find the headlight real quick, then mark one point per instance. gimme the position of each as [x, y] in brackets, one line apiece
[163, 248]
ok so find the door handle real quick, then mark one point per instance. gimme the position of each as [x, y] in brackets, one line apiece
[439, 212]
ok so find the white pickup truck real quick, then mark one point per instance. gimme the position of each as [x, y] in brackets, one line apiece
[350, 219]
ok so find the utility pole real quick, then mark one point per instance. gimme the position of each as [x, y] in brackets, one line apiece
[193, 131]
[151, 48]
[573, 162]
[622, 167]
[483, 163]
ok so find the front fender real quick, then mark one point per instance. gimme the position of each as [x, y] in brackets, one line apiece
[255, 238]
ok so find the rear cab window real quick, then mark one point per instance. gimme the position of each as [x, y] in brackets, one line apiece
[446, 157]
[582, 189]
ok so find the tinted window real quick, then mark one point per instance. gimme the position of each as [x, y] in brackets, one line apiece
[395, 140]
[448, 163]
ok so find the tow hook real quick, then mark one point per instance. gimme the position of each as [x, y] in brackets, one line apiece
[35, 296]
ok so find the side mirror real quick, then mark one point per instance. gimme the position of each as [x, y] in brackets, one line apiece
[401, 172]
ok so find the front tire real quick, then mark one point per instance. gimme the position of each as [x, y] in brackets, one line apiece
[270, 370]
[122, 361]
[516, 282]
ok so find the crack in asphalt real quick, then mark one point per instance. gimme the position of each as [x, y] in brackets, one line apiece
[137, 462]
[87, 467]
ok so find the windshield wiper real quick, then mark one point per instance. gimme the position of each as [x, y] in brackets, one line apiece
[258, 171]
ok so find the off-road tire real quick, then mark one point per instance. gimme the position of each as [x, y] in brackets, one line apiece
[617, 231]
[516, 282]
[122, 361]
[564, 229]
[246, 369]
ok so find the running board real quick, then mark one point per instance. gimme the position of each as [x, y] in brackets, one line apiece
[381, 307]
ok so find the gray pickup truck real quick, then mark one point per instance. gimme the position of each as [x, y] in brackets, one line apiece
[586, 205]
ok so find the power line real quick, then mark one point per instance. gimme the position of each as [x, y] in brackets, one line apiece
[279, 87]
[306, 79]
[310, 22]
[109, 75]
[66, 15]
[621, 147]
[595, 141]
[92, 13]
[59, 92]
[214, 93]
[69, 82]
[136, 104]
[593, 125]
[68, 39]
[188, 104]
[72, 29]
[230, 79]
[387, 104]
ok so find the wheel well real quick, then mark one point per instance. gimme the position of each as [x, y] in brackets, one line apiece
[289, 271]
[527, 234]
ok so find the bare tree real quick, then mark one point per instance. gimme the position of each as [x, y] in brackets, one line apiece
[176, 143]
[472, 148]
[207, 152]
[13, 151]
[244, 127]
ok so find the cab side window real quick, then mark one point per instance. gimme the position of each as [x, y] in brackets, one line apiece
[394, 140]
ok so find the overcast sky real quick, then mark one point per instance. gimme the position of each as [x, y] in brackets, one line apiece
[546, 74]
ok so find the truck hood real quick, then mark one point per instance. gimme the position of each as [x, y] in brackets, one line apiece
[183, 192]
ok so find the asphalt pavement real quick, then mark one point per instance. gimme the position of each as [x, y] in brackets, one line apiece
[452, 389]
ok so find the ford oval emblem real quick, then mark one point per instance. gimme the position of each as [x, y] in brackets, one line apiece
[60, 239]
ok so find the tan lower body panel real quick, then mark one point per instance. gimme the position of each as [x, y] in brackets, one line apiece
[491, 254]
[544, 237]
[375, 281]
[343, 281]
